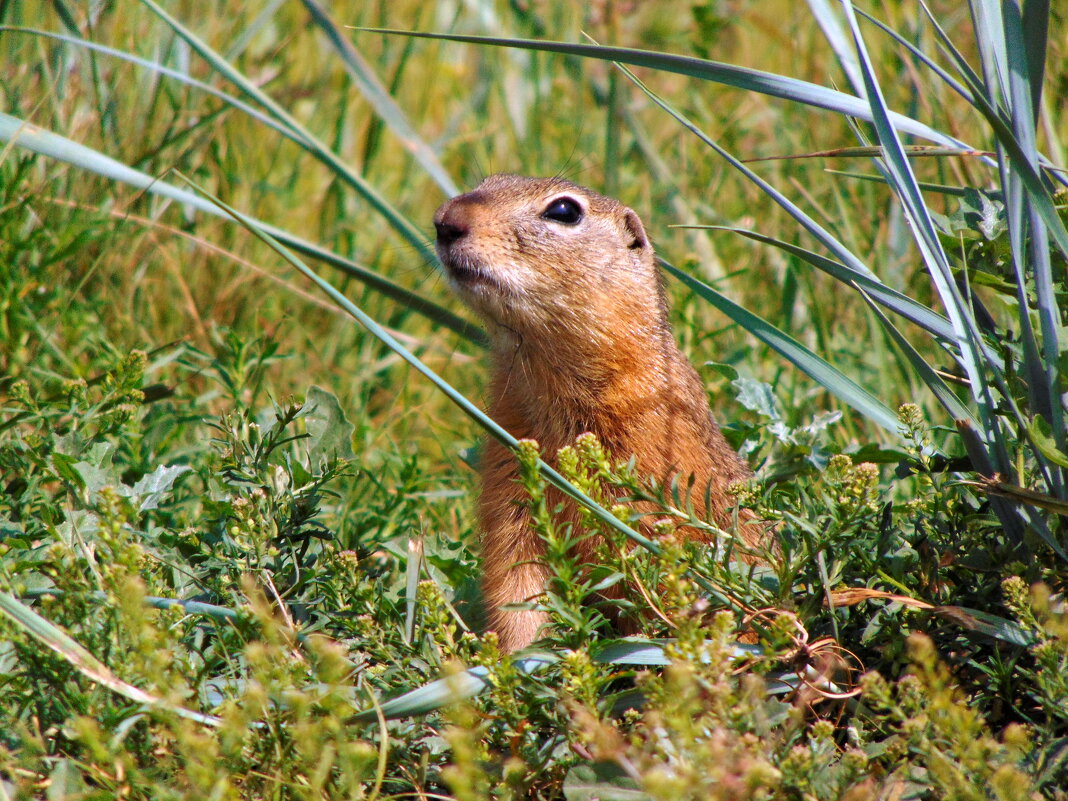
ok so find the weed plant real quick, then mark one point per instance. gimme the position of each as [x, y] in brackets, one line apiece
[237, 556]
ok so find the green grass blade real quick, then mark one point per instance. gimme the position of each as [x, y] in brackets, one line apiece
[999, 123]
[836, 37]
[47, 633]
[975, 356]
[162, 69]
[751, 80]
[442, 692]
[405, 227]
[990, 42]
[1034, 30]
[54, 146]
[429, 697]
[903, 182]
[912, 310]
[920, 56]
[827, 376]
[821, 234]
[989, 625]
[949, 400]
[378, 96]
[942, 189]
[1044, 374]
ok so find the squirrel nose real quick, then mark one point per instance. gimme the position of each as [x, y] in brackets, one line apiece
[449, 232]
[453, 221]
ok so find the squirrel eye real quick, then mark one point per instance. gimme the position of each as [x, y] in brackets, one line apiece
[563, 210]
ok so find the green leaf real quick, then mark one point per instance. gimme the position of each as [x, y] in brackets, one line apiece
[601, 781]
[329, 430]
[1040, 433]
[991, 625]
[757, 397]
[152, 488]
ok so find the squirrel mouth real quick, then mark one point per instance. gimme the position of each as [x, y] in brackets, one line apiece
[465, 272]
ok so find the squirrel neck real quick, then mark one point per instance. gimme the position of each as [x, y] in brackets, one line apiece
[554, 387]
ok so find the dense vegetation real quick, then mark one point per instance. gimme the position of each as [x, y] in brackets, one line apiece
[234, 523]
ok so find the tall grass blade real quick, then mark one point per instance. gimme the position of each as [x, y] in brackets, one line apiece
[162, 69]
[946, 396]
[942, 189]
[836, 36]
[378, 96]
[54, 146]
[751, 80]
[408, 230]
[1034, 30]
[992, 112]
[903, 182]
[1044, 374]
[926, 318]
[990, 42]
[919, 55]
[827, 376]
[47, 633]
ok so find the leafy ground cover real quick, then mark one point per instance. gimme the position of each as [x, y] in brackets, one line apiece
[237, 556]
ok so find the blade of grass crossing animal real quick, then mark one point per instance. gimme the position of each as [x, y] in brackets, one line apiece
[55, 146]
[472, 411]
[838, 384]
[830, 378]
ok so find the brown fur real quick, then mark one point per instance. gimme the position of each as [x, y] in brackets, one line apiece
[581, 342]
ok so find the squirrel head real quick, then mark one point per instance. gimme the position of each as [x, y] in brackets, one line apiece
[548, 258]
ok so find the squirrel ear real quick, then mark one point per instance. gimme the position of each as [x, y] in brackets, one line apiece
[633, 226]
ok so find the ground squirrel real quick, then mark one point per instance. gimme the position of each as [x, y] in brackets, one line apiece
[566, 282]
